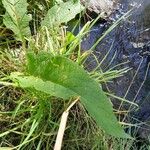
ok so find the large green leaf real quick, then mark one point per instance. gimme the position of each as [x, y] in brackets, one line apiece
[16, 17]
[68, 74]
[62, 13]
[38, 84]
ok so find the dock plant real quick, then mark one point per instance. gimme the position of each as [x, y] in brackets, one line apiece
[47, 75]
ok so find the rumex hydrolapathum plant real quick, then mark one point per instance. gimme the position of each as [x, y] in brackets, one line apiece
[16, 18]
[53, 72]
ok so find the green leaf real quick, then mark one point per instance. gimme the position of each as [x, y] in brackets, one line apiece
[38, 84]
[62, 13]
[68, 74]
[16, 17]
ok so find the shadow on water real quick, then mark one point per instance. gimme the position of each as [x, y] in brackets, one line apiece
[130, 46]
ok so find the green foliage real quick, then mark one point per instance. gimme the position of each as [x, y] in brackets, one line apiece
[53, 79]
[62, 13]
[62, 78]
[38, 84]
[16, 18]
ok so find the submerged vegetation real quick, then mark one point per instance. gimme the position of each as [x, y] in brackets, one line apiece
[43, 79]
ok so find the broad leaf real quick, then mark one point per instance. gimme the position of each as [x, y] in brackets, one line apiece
[38, 84]
[62, 13]
[16, 17]
[68, 74]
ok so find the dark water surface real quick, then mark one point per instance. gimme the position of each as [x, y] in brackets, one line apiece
[130, 44]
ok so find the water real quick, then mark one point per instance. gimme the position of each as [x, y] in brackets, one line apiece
[130, 46]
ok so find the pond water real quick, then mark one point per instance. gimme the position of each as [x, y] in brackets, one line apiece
[128, 45]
